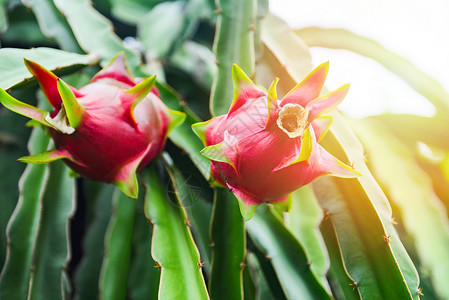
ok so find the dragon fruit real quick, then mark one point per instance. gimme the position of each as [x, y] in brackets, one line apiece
[263, 149]
[106, 130]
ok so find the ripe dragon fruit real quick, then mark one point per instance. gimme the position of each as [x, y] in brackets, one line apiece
[106, 130]
[263, 149]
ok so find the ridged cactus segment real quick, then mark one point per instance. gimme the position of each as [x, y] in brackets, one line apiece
[344, 284]
[233, 47]
[23, 227]
[198, 209]
[234, 43]
[228, 240]
[118, 249]
[143, 282]
[87, 274]
[412, 192]
[303, 221]
[383, 267]
[286, 255]
[173, 247]
[51, 250]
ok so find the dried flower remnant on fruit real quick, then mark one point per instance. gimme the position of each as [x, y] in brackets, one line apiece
[265, 148]
[293, 120]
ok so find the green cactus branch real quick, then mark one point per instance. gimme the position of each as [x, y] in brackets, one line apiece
[286, 255]
[88, 272]
[51, 252]
[23, 226]
[233, 44]
[173, 248]
[227, 234]
[118, 248]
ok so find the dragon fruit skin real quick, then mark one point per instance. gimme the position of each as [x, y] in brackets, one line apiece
[106, 130]
[263, 149]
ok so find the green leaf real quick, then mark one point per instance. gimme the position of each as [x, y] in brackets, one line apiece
[53, 24]
[173, 247]
[132, 11]
[95, 34]
[118, 248]
[14, 72]
[51, 251]
[286, 255]
[23, 226]
[229, 245]
[411, 190]
[161, 27]
[233, 44]
[88, 272]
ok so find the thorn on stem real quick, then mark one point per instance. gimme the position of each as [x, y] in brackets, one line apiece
[158, 265]
[354, 285]
[242, 266]
[387, 238]
[252, 27]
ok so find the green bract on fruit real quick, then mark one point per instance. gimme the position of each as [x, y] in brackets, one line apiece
[105, 130]
[264, 148]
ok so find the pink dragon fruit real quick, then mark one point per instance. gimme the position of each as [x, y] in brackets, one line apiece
[263, 149]
[106, 130]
